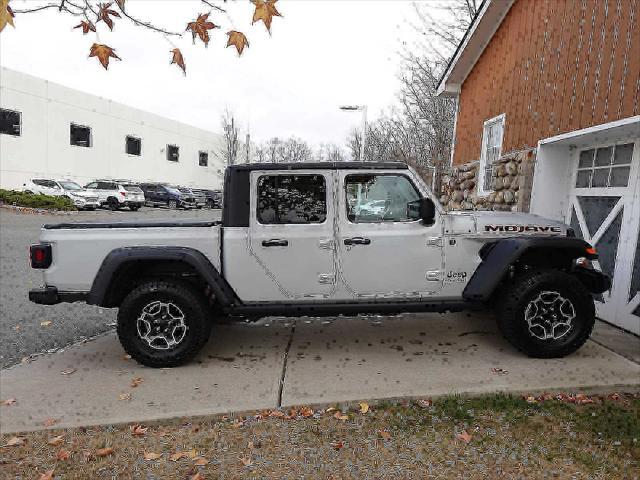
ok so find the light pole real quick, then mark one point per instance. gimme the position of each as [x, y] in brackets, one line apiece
[363, 109]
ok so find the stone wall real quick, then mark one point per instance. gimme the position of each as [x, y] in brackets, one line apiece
[511, 184]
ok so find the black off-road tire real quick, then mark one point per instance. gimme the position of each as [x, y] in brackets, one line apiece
[512, 301]
[113, 204]
[196, 313]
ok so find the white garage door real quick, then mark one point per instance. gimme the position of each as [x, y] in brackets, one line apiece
[605, 211]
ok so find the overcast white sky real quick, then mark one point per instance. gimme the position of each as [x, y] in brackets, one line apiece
[321, 54]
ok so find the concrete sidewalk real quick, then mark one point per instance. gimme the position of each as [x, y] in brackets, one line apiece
[328, 361]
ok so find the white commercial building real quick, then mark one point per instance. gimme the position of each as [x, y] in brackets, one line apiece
[51, 131]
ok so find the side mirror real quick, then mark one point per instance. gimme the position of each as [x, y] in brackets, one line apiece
[427, 211]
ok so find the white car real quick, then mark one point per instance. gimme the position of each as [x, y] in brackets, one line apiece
[116, 194]
[81, 198]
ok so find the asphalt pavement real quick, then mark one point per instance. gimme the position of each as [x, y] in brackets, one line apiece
[27, 328]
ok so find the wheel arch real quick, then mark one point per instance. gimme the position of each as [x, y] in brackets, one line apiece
[123, 268]
[499, 258]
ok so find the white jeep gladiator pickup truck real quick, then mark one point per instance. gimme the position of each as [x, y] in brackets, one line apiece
[323, 239]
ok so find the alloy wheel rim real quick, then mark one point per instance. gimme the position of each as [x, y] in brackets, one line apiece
[161, 325]
[550, 316]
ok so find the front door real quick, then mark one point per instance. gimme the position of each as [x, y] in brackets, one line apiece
[385, 250]
[605, 211]
[291, 234]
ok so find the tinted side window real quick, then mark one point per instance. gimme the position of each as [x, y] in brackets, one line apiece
[92, 185]
[292, 199]
[381, 198]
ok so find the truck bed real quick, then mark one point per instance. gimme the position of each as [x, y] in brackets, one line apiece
[80, 248]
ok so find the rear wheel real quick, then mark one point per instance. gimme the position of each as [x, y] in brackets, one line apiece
[113, 203]
[163, 323]
[134, 208]
[546, 313]
[172, 204]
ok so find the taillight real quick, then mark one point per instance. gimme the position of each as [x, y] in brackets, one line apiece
[124, 194]
[40, 256]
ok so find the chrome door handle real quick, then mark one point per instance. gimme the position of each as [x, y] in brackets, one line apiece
[275, 242]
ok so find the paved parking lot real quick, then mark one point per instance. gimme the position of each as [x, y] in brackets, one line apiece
[22, 331]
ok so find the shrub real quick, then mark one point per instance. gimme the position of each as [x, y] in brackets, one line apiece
[34, 200]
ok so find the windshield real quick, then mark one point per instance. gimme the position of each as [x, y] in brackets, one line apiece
[70, 186]
[132, 188]
[173, 189]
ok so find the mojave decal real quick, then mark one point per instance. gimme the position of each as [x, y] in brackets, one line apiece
[522, 228]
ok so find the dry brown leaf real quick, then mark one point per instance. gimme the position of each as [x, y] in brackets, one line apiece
[63, 455]
[104, 452]
[6, 14]
[338, 415]
[45, 323]
[531, 399]
[178, 59]
[50, 422]
[151, 455]
[178, 455]
[14, 441]
[200, 461]
[9, 401]
[104, 12]
[138, 430]
[200, 28]
[306, 412]
[277, 414]
[384, 434]
[265, 11]
[337, 445]
[124, 396]
[68, 371]
[424, 402]
[197, 476]
[86, 27]
[330, 409]
[136, 381]
[103, 53]
[364, 407]
[246, 461]
[48, 475]
[55, 441]
[238, 40]
[464, 436]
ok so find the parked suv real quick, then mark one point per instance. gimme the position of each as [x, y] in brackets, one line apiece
[115, 194]
[199, 197]
[214, 197]
[63, 188]
[160, 194]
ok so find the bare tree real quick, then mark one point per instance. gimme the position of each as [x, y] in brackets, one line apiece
[229, 152]
[329, 152]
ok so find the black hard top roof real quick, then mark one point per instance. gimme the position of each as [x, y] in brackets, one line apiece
[322, 166]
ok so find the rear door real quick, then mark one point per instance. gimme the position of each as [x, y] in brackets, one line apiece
[385, 251]
[291, 234]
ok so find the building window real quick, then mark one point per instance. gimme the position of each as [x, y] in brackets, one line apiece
[133, 145]
[173, 153]
[80, 135]
[10, 122]
[203, 159]
[605, 167]
[291, 199]
[491, 151]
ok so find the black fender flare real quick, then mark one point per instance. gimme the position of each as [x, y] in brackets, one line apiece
[121, 256]
[497, 257]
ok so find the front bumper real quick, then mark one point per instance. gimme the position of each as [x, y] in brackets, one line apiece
[50, 296]
[594, 280]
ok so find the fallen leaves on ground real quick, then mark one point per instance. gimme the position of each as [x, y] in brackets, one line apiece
[14, 441]
[578, 399]
[6, 14]
[338, 415]
[68, 371]
[86, 27]
[104, 452]
[265, 11]
[45, 323]
[500, 371]
[136, 381]
[337, 445]
[50, 422]
[103, 53]
[364, 407]
[48, 475]
[124, 396]
[424, 403]
[246, 461]
[104, 12]
[200, 28]
[197, 476]
[138, 430]
[9, 402]
[178, 59]
[151, 456]
[63, 455]
[464, 436]
[306, 412]
[179, 455]
[200, 461]
[238, 40]
[55, 441]
[384, 434]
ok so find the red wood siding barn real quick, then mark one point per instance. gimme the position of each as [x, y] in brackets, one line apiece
[553, 66]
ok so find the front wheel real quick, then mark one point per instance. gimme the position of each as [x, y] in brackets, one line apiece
[163, 323]
[172, 204]
[546, 313]
[134, 208]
